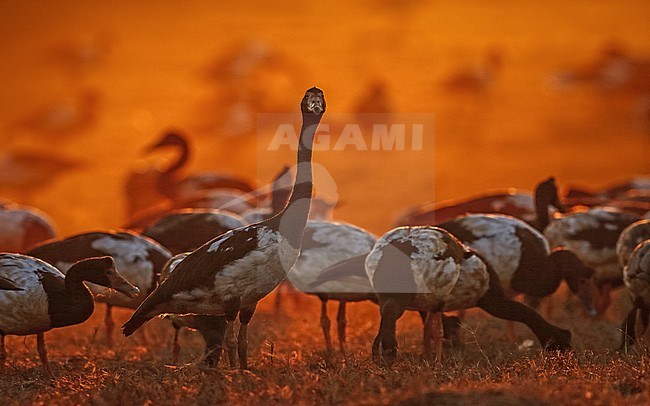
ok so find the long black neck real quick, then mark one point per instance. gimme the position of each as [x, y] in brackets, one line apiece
[291, 221]
[184, 154]
[70, 302]
[541, 209]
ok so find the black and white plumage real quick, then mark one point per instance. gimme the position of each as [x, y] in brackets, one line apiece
[428, 269]
[47, 299]
[232, 272]
[592, 236]
[212, 328]
[324, 244]
[521, 257]
[632, 236]
[139, 259]
[23, 227]
[186, 230]
[636, 275]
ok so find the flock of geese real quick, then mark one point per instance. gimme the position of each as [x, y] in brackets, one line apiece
[202, 267]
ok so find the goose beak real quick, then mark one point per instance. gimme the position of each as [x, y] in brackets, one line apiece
[122, 285]
[315, 104]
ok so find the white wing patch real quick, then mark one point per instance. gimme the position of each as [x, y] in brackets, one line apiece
[439, 280]
[428, 242]
[335, 242]
[25, 311]
[249, 278]
[497, 242]
[605, 260]
[473, 282]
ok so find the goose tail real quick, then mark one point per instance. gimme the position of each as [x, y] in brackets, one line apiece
[135, 322]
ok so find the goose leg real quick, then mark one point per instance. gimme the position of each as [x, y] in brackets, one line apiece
[427, 330]
[645, 319]
[629, 328]
[245, 316]
[451, 329]
[232, 308]
[110, 325]
[437, 334]
[549, 336]
[341, 324]
[213, 329]
[376, 344]
[42, 352]
[325, 324]
[176, 347]
[391, 310]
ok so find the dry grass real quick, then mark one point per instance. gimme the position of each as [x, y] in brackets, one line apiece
[289, 365]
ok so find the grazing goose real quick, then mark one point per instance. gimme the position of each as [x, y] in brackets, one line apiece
[514, 203]
[231, 273]
[637, 279]
[47, 299]
[7, 284]
[428, 269]
[591, 235]
[23, 227]
[324, 244]
[522, 258]
[632, 236]
[138, 259]
[186, 230]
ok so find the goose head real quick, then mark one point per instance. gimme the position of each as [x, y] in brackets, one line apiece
[101, 271]
[313, 102]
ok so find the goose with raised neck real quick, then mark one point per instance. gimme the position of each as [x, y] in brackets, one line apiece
[231, 273]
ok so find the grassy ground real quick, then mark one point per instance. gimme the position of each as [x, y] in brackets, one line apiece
[289, 365]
